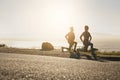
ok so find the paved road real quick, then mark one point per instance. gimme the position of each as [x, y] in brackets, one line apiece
[34, 67]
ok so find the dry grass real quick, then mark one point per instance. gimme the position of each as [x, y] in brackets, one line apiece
[56, 52]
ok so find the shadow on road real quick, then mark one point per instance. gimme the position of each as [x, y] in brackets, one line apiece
[90, 57]
[110, 58]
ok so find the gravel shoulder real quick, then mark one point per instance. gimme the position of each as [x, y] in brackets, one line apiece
[36, 67]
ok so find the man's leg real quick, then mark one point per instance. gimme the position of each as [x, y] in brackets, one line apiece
[64, 48]
[70, 46]
[75, 43]
[85, 48]
[91, 44]
[92, 51]
[85, 43]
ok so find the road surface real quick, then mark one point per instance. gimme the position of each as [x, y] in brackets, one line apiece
[36, 67]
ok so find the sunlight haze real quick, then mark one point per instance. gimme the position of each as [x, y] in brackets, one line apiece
[51, 19]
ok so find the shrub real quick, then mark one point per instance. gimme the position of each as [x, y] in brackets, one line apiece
[47, 46]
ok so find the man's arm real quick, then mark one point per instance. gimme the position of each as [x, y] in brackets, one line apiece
[90, 36]
[81, 37]
[66, 36]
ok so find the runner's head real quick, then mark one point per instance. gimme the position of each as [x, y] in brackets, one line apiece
[86, 28]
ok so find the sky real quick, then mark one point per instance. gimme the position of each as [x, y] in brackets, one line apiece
[51, 19]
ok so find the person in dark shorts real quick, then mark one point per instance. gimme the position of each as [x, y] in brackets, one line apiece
[86, 39]
[70, 36]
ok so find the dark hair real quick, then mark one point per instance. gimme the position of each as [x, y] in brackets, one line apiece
[86, 27]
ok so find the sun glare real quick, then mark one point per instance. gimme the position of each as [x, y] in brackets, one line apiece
[60, 16]
[59, 21]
